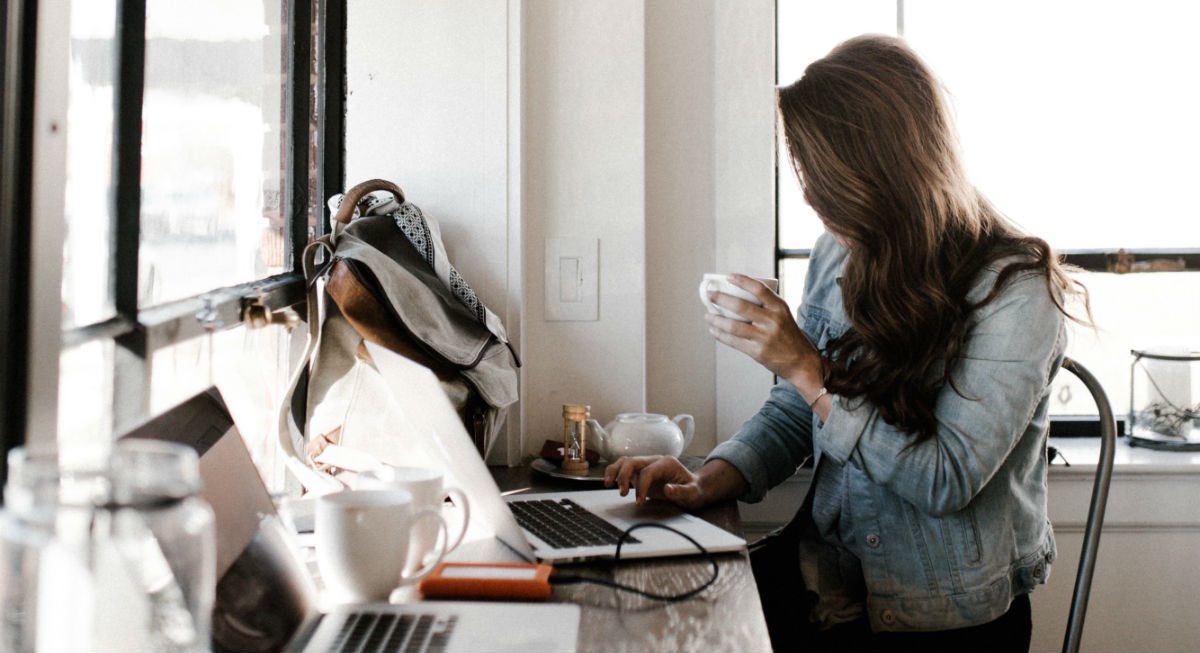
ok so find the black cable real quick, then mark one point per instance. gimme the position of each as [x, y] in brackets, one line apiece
[558, 578]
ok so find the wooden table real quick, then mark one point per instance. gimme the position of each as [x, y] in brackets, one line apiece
[725, 617]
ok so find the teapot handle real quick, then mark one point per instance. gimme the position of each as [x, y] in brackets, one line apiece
[686, 424]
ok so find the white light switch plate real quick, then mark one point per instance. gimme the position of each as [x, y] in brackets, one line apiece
[572, 279]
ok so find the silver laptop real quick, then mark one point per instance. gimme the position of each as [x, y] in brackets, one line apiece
[434, 435]
[266, 598]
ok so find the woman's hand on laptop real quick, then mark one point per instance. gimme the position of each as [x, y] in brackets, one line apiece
[655, 477]
[665, 478]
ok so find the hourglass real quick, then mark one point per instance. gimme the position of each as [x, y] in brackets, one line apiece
[575, 438]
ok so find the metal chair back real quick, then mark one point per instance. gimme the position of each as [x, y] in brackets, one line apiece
[1095, 520]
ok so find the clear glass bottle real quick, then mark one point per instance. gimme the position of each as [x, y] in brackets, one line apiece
[106, 551]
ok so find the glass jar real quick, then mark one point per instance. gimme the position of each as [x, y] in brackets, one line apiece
[1164, 399]
[108, 550]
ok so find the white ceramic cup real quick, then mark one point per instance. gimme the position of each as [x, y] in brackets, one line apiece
[363, 540]
[429, 491]
[714, 282]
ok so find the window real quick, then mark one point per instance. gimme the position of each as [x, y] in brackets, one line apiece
[201, 137]
[1077, 120]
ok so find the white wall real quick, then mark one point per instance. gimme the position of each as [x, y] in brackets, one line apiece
[585, 177]
[428, 107]
[646, 125]
[744, 106]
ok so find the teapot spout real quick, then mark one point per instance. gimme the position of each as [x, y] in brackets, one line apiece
[598, 438]
[686, 424]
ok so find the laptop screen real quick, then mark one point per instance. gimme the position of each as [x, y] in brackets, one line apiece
[263, 591]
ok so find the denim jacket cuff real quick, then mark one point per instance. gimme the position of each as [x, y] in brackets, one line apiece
[840, 433]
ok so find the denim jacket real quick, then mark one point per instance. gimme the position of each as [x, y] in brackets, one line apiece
[948, 531]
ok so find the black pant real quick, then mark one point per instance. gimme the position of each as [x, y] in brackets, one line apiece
[785, 600]
[1008, 634]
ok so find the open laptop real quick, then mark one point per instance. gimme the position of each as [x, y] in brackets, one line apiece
[430, 432]
[266, 599]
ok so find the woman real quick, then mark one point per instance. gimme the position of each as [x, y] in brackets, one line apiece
[916, 374]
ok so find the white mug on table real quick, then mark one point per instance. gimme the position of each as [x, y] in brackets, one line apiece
[363, 540]
[713, 281]
[429, 492]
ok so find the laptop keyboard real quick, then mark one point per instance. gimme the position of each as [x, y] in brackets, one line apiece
[376, 632]
[564, 524]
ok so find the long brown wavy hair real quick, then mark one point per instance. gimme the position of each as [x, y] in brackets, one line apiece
[876, 153]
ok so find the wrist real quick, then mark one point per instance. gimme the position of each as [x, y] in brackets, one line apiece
[718, 479]
[810, 385]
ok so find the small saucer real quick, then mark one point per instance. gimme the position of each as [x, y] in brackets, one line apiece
[594, 474]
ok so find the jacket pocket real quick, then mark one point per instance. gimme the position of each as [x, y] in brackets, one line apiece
[967, 532]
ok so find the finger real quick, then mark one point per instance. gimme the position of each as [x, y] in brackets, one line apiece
[722, 326]
[652, 477]
[771, 305]
[736, 305]
[614, 470]
[610, 472]
[735, 328]
[628, 472]
[753, 286]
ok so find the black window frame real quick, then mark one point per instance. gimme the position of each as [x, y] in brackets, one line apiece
[18, 41]
[138, 333]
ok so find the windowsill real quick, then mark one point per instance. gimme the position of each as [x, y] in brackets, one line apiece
[1083, 453]
[1152, 483]
[1151, 490]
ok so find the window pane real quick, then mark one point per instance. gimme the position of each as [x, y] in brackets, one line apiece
[791, 281]
[806, 32]
[1132, 311]
[1077, 117]
[1087, 140]
[85, 394]
[212, 152]
[248, 366]
[86, 294]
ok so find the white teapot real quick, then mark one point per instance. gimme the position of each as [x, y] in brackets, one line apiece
[641, 434]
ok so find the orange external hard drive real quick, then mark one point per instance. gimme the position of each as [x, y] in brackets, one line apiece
[498, 580]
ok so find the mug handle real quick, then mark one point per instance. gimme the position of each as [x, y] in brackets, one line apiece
[427, 569]
[460, 499]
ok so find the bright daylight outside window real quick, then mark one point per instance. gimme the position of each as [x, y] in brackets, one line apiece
[1077, 120]
[212, 180]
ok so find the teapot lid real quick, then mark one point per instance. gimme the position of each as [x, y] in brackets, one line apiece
[641, 417]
